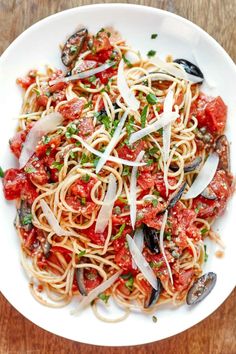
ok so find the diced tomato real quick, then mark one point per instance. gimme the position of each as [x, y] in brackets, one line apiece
[16, 185]
[75, 203]
[160, 185]
[221, 187]
[25, 82]
[101, 42]
[210, 113]
[82, 188]
[13, 182]
[148, 215]
[17, 141]
[60, 250]
[98, 238]
[29, 238]
[146, 180]
[123, 259]
[72, 109]
[183, 279]
[91, 279]
[86, 127]
[100, 57]
[41, 101]
[128, 153]
[105, 75]
[119, 220]
[51, 146]
[36, 171]
[59, 86]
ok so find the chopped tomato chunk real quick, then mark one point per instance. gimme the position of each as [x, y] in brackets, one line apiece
[95, 237]
[131, 153]
[210, 113]
[123, 259]
[82, 189]
[16, 185]
[72, 109]
[16, 142]
[101, 42]
[36, 171]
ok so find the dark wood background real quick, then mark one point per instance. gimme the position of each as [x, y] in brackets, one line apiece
[216, 334]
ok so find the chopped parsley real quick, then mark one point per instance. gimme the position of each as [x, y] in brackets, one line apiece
[46, 139]
[89, 104]
[119, 233]
[57, 165]
[151, 53]
[127, 62]
[71, 129]
[160, 131]
[130, 126]
[152, 151]
[122, 200]
[154, 36]
[205, 253]
[84, 159]
[115, 124]
[83, 201]
[1, 172]
[154, 202]
[156, 193]
[27, 219]
[92, 78]
[105, 120]
[204, 231]
[36, 91]
[104, 297]
[72, 154]
[130, 283]
[151, 98]
[126, 171]
[156, 264]
[95, 161]
[73, 49]
[154, 319]
[30, 169]
[143, 117]
[85, 178]
[82, 253]
[48, 151]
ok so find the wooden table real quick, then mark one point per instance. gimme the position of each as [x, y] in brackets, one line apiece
[216, 334]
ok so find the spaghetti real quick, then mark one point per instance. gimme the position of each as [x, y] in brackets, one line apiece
[147, 130]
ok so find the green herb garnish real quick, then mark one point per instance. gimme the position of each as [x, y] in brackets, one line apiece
[119, 233]
[144, 116]
[30, 169]
[151, 53]
[73, 49]
[154, 319]
[154, 36]
[130, 283]
[126, 171]
[205, 253]
[85, 178]
[130, 126]
[127, 62]
[1, 172]
[204, 231]
[151, 98]
[27, 219]
[57, 165]
[82, 253]
[71, 129]
[104, 297]
[84, 159]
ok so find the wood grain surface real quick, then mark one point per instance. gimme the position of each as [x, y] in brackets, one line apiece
[216, 334]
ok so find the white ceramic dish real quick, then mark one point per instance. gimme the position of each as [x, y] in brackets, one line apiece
[40, 45]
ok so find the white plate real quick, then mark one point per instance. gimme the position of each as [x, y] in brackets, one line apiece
[40, 45]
